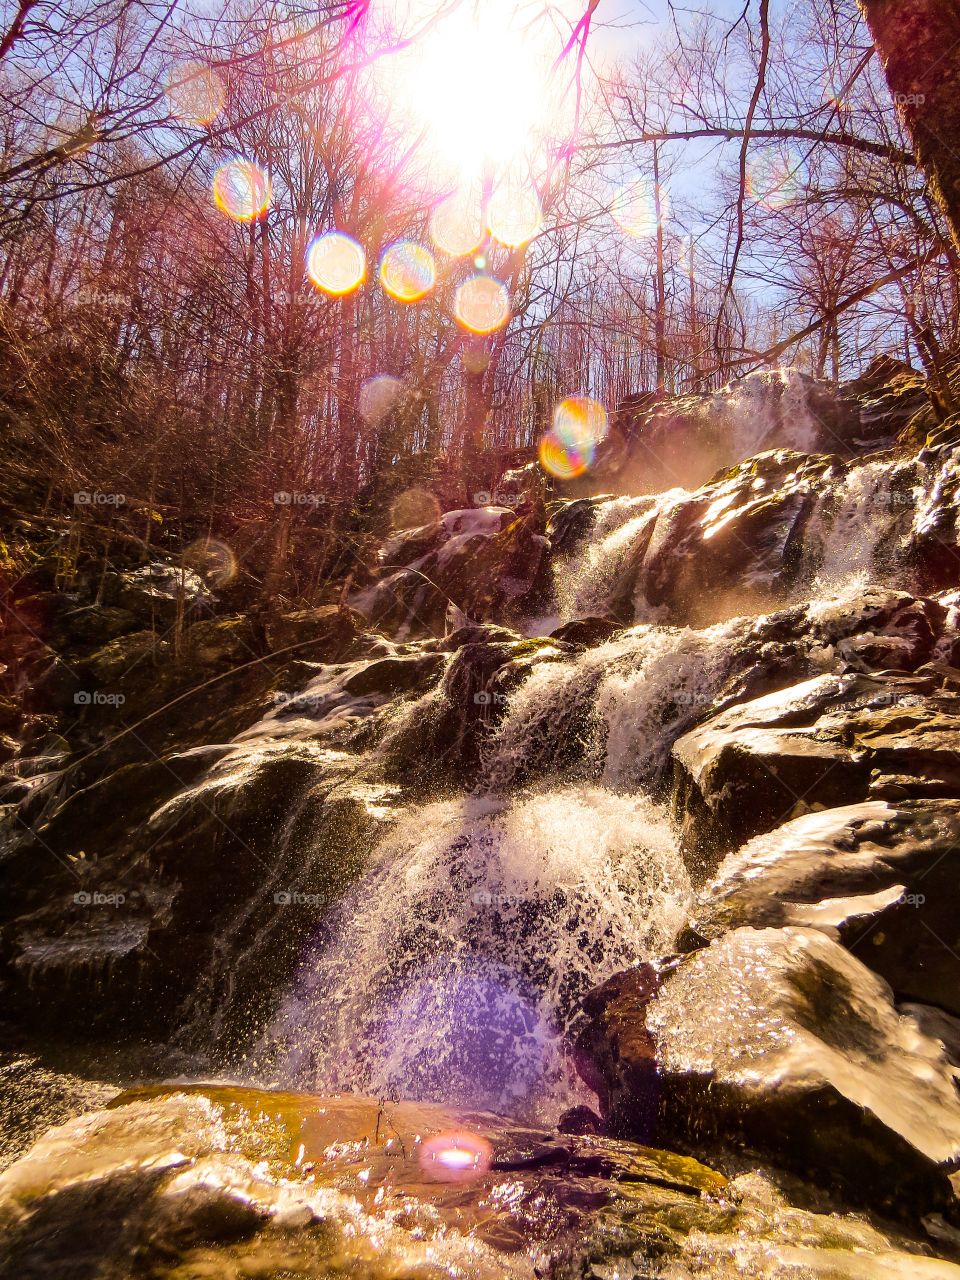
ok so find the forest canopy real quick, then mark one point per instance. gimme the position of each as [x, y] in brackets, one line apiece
[254, 248]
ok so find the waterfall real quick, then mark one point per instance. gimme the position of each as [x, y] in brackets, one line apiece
[613, 712]
[850, 525]
[755, 412]
[584, 581]
[455, 966]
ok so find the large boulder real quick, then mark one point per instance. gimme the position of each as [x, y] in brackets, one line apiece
[225, 1181]
[483, 564]
[781, 1040]
[829, 741]
[736, 543]
[879, 876]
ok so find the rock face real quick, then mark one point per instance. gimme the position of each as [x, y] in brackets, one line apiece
[832, 740]
[485, 564]
[349, 1186]
[783, 1040]
[879, 876]
[735, 544]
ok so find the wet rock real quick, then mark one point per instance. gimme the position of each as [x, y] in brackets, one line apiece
[325, 634]
[935, 541]
[488, 564]
[890, 394]
[735, 544]
[587, 631]
[224, 1180]
[443, 742]
[528, 484]
[830, 741]
[781, 1040]
[396, 675]
[221, 641]
[570, 523]
[937, 1025]
[878, 876]
[95, 625]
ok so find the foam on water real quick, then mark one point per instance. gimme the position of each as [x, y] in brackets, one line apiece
[455, 968]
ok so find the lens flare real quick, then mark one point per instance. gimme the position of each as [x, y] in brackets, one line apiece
[241, 190]
[195, 92]
[580, 423]
[407, 271]
[514, 215]
[455, 1157]
[414, 508]
[378, 395]
[561, 460]
[213, 560]
[773, 179]
[336, 264]
[456, 224]
[634, 209]
[482, 304]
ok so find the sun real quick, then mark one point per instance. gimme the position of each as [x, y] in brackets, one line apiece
[477, 83]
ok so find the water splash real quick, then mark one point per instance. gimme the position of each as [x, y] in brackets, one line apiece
[755, 413]
[455, 969]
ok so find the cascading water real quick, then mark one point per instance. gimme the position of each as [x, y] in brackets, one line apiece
[585, 581]
[851, 525]
[452, 969]
[456, 965]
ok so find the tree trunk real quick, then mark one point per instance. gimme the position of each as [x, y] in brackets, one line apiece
[919, 44]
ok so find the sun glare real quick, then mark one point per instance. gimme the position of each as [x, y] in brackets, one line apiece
[477, 82]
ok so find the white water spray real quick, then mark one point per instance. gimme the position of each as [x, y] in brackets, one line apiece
[456, 966]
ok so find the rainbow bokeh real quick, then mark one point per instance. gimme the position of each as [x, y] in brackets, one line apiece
[407, 271]
[241, 190]
[568, 448]
[195, 92]
[378, 395]
[336, 264]
[514, 215]
[482, 304]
